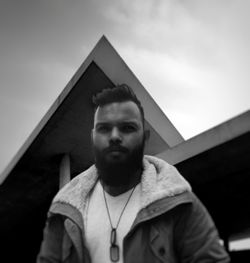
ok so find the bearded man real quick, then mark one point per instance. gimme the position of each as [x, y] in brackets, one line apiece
[127, 207]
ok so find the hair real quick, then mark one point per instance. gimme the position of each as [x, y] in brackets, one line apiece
[119, 93]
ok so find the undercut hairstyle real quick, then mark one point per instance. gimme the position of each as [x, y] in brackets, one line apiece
[119, 93]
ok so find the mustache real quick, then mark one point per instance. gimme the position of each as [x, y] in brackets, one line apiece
[116, 148]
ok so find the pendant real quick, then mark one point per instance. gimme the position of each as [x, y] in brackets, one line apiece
[113, 236]
[114, 248]
[114, 253]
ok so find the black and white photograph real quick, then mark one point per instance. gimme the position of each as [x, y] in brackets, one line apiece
[124, 131]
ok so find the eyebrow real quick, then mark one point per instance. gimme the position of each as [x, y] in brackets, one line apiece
[119, 123]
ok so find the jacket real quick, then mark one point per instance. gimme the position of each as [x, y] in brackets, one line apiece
[171, 226]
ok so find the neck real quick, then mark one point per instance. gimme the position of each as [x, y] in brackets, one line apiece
[117, 190]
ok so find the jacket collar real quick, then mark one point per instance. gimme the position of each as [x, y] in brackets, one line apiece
[162, 206]
[159, 180]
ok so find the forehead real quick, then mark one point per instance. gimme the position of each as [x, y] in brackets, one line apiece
[118, 112]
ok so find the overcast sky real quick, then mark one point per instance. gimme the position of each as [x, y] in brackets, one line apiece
[191, 55]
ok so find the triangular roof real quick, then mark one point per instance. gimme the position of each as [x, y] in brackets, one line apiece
[66, 126]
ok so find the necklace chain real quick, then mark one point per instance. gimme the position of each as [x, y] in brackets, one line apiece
[114, 248]
[106, 204]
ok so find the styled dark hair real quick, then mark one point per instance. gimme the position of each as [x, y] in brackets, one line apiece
[119, 93]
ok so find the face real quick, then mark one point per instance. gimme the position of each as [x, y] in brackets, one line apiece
[118, 141]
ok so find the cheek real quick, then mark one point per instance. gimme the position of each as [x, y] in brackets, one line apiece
[99, 141]
[134, 140]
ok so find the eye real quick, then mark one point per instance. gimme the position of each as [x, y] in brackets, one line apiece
[102, 128]
[127, 128]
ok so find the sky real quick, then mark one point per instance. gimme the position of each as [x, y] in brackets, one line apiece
[192, 56]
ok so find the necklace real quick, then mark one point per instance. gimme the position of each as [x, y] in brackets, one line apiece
[114, 250]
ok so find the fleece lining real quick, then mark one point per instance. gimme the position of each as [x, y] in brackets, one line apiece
[159, 180]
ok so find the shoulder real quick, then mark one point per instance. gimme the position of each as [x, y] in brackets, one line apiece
[75, 192]
[161, 180]
[192, 212]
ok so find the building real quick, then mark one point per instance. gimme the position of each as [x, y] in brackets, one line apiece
[214, 162]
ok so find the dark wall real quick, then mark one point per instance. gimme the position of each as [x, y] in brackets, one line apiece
[24, 201]
[240, 256]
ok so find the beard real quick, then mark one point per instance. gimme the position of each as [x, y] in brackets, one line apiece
[118, 171]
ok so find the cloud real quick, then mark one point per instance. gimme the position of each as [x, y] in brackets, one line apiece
[192, 56]
[195, 98]
[162, 25]
[203, 32]
[184, 92]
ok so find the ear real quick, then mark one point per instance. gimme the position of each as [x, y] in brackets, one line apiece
[146, 135]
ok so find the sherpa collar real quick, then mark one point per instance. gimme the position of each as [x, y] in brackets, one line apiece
[159, 180]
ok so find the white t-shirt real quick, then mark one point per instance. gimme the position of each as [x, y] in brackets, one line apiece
[97, 225]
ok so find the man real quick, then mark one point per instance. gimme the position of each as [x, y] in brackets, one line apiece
[127, 207]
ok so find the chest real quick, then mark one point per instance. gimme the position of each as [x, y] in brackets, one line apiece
[101, 217]
[149, 241]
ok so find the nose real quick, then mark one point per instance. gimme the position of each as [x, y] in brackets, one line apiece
[115, 135]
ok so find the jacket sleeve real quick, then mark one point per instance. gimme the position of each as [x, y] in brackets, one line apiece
[51, 247]
[196, 236]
